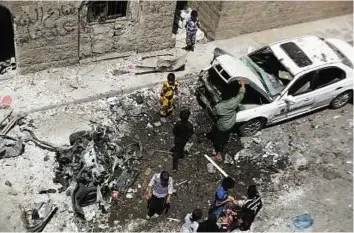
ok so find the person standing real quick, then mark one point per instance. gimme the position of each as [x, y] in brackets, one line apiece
[225, 111]
[222, 197]
[192, 28]
[168, 92]
[191, 221]
[183, 131]
[159, 193]
[249, 208]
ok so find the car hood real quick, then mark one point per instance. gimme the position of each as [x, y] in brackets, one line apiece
[236, 69]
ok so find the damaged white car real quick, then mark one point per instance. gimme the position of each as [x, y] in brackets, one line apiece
[284, 80]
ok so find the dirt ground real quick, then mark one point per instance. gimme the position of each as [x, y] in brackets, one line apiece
[300, 166]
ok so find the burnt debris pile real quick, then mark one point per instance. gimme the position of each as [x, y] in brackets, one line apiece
[95, 165]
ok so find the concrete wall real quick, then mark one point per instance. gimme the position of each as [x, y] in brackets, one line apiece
[147, 27]
[50, 34]
[208, 14]
[45, 33]
[244, 17]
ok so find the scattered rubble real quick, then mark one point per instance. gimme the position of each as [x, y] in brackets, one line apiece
[93, 166]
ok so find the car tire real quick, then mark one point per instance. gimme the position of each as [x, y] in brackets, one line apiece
[341, 100]
[251, 127]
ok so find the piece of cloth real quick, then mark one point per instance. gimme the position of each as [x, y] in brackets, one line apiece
[208, 226]
[189, 225]
[157, 189]
[226, 111]
[167, 96]
[220, 195]
[156, 205]
[219, 139]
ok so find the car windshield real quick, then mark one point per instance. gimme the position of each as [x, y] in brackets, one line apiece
[270, 71]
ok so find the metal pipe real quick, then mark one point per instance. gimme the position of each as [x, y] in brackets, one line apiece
[216, 166]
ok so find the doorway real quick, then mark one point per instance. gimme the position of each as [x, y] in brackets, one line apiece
[7, 41]
[180, 6]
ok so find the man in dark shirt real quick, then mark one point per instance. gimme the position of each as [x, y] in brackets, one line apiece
[250, 208]
[209, 225]
[183, 131]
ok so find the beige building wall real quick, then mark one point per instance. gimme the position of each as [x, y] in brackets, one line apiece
[208, 14]
[57, 33]
[221, 20]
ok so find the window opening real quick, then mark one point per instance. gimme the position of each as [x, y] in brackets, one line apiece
[104, 10]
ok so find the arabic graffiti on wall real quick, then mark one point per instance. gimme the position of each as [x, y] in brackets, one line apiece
[46, 22]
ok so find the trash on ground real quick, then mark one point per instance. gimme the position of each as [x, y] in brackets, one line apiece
[256, 140]
[215, 165]
[10, 147]
[302, 221]
[228, 159]
[210, 168]
[162, 65]
[94, 165]
[37, 218]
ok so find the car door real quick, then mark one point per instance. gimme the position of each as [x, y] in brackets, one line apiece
[328, 85]
[302, 91]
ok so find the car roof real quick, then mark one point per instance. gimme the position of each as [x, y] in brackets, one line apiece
[303, 53]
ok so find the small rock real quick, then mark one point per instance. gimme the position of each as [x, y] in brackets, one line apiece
[68, 192]
[129, 195]
[139, 99]
[335, 117]
[12, 192]
[163, 120]
[148, 171]
[157, 124]
[46, 158]
[149, 126]
[256, 140]
[349, 162]
[8, 183]
[350, 206]
[139, 186]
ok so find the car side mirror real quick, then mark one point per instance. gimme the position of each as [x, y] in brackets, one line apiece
[289, 99]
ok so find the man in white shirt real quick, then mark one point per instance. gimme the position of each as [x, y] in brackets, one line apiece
[191, 221]
[159, 193]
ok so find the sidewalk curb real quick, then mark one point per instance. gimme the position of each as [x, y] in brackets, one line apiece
[185, 78]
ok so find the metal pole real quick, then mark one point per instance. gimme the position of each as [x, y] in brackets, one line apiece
[216, 166]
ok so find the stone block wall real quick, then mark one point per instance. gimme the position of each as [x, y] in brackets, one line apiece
[146, 27]
[240, 17]
[209, 15]
[56, 33]
[45, 33]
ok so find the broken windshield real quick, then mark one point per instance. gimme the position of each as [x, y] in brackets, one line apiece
[271, 72]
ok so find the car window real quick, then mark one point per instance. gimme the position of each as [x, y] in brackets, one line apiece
[328, 76]
[303, 85]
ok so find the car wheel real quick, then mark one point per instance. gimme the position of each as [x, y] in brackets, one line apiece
[251, 127]
[341, 100]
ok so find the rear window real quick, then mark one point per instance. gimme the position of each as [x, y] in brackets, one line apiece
[296, 54]
[344, 59]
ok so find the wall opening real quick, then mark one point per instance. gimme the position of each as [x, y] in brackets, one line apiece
[105, 10]
[7, 41]
[180, 6]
